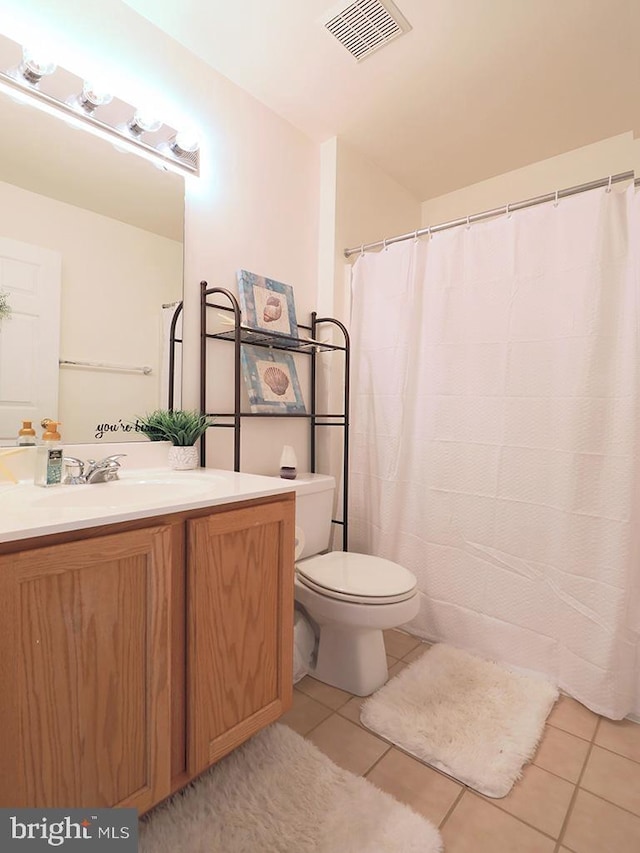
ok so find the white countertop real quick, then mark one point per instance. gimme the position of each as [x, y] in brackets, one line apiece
[27, 511]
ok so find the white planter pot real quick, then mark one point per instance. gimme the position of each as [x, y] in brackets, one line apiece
[183, 458]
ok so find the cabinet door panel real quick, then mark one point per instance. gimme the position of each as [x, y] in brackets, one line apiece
[86, 645]
[239, 624]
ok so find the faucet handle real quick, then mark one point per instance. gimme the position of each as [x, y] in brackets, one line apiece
[73, 461]
[112, 460]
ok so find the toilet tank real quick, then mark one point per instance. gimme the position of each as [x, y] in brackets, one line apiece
[314, 508]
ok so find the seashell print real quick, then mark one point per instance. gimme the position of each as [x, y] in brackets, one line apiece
[272, 310]
[277, 380]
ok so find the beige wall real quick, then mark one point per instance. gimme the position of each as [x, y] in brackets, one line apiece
[115, 279]
[610, 156]
[256, 208]
[368, 205]
[256, 203]
[359, 203]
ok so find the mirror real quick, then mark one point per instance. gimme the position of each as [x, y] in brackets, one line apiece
[106, 227]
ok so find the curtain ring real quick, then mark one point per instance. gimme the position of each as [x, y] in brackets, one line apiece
[507, 211]
[555, 203]
[361, 249]
[609, 184]
[415, 236]
[468, 223]
[429, 234]
[384, 243]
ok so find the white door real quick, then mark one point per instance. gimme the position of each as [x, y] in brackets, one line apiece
[30, 339]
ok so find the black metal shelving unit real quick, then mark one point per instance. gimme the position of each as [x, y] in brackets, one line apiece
[308, 345]
[173, 340]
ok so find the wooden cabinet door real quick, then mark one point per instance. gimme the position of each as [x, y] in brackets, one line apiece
[239, 626]
[85, 710]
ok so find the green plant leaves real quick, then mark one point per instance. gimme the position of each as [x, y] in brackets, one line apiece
[182, 428]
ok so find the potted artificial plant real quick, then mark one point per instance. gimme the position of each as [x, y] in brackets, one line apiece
[181, 428]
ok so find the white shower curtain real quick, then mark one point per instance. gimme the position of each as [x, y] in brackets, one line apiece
[494, 440]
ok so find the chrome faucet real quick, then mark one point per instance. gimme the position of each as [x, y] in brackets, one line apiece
[104, 471]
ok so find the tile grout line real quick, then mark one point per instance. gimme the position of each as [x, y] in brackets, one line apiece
[532, 763]
[567, 732]
[618, 754]
[610, 802]
[336, 714]
[324, 704]
[376, 762]
[492, 801]
[453, 805]
[364, 729]
[572, 802]
[313, 728]
[495, 804]
[464, 788]
[489, 800]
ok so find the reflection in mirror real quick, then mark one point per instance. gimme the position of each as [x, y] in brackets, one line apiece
[91, 246]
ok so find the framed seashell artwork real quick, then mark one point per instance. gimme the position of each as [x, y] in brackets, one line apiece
[272, 381]
[267, 305]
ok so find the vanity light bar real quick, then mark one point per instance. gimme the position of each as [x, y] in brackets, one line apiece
[163, 154]
[87, 122]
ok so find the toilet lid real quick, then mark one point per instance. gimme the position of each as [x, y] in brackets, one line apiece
[357, 577]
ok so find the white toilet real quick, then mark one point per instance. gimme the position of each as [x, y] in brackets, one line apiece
[351, 598]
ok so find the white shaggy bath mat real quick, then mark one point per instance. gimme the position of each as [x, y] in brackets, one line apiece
[466, 716]
[279, 794]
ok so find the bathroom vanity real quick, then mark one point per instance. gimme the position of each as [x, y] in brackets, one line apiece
[144, 635]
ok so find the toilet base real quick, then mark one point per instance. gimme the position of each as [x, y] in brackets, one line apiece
[354, 660]
[351, 653]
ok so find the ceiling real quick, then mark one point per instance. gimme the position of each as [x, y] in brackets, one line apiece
[475, 89]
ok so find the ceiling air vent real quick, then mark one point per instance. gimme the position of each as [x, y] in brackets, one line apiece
[366, 25]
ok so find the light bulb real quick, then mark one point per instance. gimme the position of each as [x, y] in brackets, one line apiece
[185, 142]
[143, 122]
[36, 64]
[94, 95]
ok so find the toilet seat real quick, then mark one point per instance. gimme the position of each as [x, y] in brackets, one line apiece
[358, 578]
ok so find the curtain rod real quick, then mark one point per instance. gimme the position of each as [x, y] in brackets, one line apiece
[497, 211]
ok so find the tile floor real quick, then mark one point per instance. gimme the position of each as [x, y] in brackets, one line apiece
[581, 793]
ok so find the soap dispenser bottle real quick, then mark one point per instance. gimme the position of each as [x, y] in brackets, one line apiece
[26, 435]
[49, 456]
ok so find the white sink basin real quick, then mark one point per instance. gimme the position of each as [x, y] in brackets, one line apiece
[27, 511]
[131, 492]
